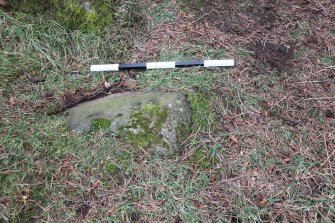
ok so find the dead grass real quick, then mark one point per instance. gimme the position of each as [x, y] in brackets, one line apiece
[276, 137]
[262, 149]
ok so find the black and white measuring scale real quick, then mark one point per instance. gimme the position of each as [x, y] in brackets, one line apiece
[163, 65]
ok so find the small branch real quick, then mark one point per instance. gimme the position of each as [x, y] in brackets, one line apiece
[321, 98]
[278, 102]
[304, 82]
[207, 14]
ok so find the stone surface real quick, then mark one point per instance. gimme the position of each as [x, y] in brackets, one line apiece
[155, 121]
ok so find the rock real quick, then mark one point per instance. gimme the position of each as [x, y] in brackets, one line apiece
[86, 5]
[156, 121]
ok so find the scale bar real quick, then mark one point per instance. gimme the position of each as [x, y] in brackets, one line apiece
[163, 65]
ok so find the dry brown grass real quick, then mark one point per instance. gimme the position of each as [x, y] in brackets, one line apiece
[290, 131]
[266, 156]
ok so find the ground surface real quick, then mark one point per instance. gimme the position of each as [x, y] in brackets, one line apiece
[263, 141]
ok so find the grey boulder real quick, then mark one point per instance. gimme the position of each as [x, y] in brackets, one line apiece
[155, 121]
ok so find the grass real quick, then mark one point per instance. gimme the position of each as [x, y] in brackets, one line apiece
[261, 150]
[60, 169]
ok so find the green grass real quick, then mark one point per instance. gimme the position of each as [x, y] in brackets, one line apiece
[59, 167]
[272, 171]
[162, 13]
[327, 60]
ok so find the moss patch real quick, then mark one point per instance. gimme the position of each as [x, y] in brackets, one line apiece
[145, 127]
[74, 16]
[111, 168]
[100, 124]
[91, 16]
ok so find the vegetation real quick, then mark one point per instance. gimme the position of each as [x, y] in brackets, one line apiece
[149, 120]
[100, 124]
[89, 16]
[262, 142]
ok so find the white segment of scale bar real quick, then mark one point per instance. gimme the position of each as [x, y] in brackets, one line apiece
[161, 65]
[219, 63]
[105, 67]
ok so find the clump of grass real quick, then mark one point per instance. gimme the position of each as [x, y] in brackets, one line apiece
[100, 124]
[202, 159]
[35, 49]
[202, 110]
[327, 60]
[162, 13]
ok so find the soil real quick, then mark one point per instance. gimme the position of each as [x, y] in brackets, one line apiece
[230, 19]
[70, 99]
[270, 56]
[251, 20]
[83, 210]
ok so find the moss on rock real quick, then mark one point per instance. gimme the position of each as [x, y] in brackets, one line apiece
[156, 121]
[146, 124]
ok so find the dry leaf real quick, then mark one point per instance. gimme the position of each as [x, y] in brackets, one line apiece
[96, 184]
[22, 77]
[262, 203]
[130, 84]
[278, 205]
[25, 194]
[255, 173]
[199, 205]
[233, 139]
[11, 101]
[5, 201]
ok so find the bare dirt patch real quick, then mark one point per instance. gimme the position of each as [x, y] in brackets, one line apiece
[269, 56]
[72, 98]
[240, 17]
